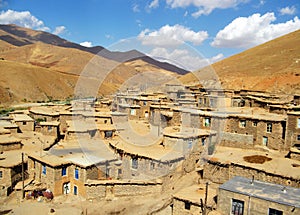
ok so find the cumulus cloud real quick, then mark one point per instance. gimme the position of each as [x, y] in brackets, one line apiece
[246, 32]
[23, 18]
[172, 36]
[86, 44]
[154, 4]
[288, 10]
[204, 7]
[135, 8]
[59, 30]
[183, 58]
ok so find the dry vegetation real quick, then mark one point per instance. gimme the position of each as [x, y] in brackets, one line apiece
[273, 66]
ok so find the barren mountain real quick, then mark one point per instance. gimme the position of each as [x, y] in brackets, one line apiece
[18, 36]
[39, 72]
[273, 66]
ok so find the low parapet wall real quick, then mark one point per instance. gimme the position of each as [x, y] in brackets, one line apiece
[115, 188]
[237, 140]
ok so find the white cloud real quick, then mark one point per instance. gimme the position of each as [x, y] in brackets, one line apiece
[86, 44]
[154, 4]
[59, 30]
[172, 36]
[183, 58]
[204, 7]
[23, 18]
[246, 32]
[288, 10]
[135, 8]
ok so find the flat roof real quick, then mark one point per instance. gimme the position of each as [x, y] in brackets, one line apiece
[11, 158]
[7, 139]
[284, 195]
[179, 132]
[245, 112]
[194, 193]
[52, 123]
[155, 151]
[8, 124]
[22, 118]
[279, 165]
[44, 111]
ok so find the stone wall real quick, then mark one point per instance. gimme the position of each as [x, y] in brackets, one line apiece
[108, 189]
[237, 140]
[292, 130]
[181, 207]
[255, 205]
[220, 173]
[10, 146]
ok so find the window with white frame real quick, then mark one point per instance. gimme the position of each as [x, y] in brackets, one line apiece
[134, 163]
[237, 207]
[206, 122]
[242, 123]
[298, 123]
[269, 127]
[274, 212]
[44, 170]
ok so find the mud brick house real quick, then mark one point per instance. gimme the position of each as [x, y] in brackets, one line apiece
[24, 122]
[9, 142]
[249, 128]
[293, 134]
[10, 171]
[191, 200]
[46, 114]
[7, 124]
[65, 168]
[133, 111]
[246, 196]
[50, 128]
[270, 166]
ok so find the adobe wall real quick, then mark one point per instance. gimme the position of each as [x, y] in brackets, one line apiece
[179, 207]
[257, 206]
[220, 173]
[115, 189]
[237, 140]
[29, 126]
[45, 117]
[10, 146]
[292, 131]
[6, 177]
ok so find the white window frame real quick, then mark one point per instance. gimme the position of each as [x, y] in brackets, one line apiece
[242, 123]
[269, 127]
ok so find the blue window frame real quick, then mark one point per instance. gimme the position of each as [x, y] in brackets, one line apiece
[44, 170]
[76, 173]
[64, 171]
[75, 190]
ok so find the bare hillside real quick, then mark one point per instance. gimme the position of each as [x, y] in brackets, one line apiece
[273, 66]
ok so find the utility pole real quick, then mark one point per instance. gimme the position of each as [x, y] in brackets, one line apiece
[205, 200]
[23, 176]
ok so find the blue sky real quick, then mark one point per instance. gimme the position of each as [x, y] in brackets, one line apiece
[216, 29]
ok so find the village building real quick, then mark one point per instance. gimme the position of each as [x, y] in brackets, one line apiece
[7, 124]
[270, 166]
[9, 142]
[44, 114]
[70, 164]
[195, 200]
[248, 196]
[24, 122]
[50, 128]
[10, 171]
